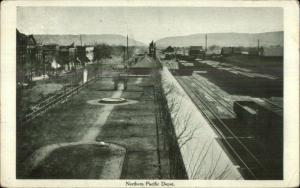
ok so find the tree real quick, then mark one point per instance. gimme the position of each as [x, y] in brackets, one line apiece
[102, 51]
[213, 47]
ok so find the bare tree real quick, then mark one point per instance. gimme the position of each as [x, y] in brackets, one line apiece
[205, 162]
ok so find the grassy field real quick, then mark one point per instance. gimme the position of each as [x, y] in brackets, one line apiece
[64, 123]
[132, 126]
[80, 162]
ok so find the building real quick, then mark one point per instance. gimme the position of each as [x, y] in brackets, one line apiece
[27, 57]
[215, 51]
[143, 67]
[81, 55]
[226, 51]
[63, 56]
[236, 50]
[197, 52]
[89, 52]
[273, 51]
[169, 52]
[254, 51]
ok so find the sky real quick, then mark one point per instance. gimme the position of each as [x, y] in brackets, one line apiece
[147, 23]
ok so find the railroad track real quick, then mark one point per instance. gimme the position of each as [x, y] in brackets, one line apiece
[276, 107]
[219, 99]
[251, 159]
[227, 105]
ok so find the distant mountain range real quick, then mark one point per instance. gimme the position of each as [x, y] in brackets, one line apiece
[109, 39]
[224, 39]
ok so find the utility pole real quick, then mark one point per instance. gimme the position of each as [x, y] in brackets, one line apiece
[124, 54]
[205, 42]
[127, 48]
[258, 47]
[80, 40]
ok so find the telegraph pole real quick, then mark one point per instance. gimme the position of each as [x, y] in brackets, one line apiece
[80, 40]
[258, 47]
[127, 47]
[205, 42]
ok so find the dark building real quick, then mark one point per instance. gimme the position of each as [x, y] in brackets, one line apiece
[231, 50]
[241, 50]
[143, 67]
[27, 57]
[273, 51]
[252, 51]
[226, 51]
[197, 52]
[67, 56]
[236, 50]
[81, 55]
[50, 56]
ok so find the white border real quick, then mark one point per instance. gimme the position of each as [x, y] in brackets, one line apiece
[291, 93]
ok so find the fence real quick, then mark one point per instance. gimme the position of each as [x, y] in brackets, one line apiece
[47, 104]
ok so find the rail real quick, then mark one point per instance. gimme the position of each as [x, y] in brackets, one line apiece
[54, 100]
[222, 134]
[215, 96]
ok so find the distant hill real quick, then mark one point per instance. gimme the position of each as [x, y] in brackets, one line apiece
[224, 39]
[109, 39]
